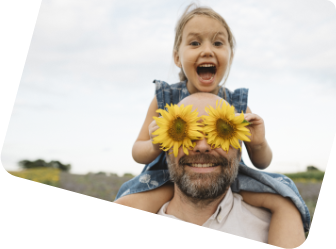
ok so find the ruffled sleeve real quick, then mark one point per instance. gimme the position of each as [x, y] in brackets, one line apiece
[162, 93]
[238, 98]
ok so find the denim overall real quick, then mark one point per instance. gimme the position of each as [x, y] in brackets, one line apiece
[156, 173]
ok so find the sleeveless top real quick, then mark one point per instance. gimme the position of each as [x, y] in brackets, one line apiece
[156, 173]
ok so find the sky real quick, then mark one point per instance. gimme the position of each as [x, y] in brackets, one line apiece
[87, 81]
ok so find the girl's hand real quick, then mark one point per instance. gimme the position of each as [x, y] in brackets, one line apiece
[258, 149]
[151, 128]
[257, 129]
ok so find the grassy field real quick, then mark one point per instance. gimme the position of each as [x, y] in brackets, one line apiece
[106, 187]
[48, 176]
[307, 176]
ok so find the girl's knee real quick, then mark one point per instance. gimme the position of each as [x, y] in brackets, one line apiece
[125, 200]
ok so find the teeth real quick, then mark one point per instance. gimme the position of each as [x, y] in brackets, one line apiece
[207, 65]
[204, 165]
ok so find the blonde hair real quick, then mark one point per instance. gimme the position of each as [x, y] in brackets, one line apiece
[194, 10]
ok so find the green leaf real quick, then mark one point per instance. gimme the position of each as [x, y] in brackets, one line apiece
[246, 122]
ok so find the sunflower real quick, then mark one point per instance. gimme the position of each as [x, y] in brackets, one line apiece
[223, 128]
[178, 126]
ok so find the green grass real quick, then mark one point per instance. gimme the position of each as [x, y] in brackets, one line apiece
[49, 176]
[314, 176]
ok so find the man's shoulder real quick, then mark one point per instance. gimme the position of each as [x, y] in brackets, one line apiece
[163, 211]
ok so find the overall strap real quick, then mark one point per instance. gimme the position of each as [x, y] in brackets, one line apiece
[237, 98]
[169, 94]
[173, 94]
[162, 93]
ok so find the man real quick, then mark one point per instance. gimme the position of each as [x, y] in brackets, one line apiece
[202, 194]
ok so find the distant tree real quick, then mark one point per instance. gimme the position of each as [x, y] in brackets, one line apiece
[24, 164]
[39, 163]
[59, 165]
[312, 168]
[101, 173]
[128, 175]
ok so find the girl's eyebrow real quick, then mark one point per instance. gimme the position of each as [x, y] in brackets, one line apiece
[192, 34]
[219, 34]
[198, 35]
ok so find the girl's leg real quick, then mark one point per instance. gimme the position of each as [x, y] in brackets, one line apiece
[150, 201]
[286, 227]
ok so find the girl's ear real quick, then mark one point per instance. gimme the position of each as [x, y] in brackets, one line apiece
[177, 59]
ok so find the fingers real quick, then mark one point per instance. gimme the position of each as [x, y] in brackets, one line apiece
[152, 124]
[151, 128]
[253, 118]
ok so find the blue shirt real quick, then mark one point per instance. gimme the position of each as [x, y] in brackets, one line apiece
[156, 173]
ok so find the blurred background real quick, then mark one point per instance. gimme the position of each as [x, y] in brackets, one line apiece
[87, 84]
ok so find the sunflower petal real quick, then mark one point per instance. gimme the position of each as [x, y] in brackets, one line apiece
[242, 137]
[235, 143]
[185, 150]
[175, 149]
[238, 119]
[225, 145]
[187, 110]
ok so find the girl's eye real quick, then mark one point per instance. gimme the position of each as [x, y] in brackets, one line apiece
[217, 44]
[194, 43]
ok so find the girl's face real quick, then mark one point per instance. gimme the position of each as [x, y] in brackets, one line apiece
[204, 54]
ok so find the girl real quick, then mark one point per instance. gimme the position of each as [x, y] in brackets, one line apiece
[204, 50]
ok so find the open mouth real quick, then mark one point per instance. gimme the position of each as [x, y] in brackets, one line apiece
[202, 165]
[206, 71]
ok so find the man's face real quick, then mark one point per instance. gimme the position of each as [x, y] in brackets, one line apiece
[205, 173]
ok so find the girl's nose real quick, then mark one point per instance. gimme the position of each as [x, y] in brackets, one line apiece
[202, 146]
[207, 50]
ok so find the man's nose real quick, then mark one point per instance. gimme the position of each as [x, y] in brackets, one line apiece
[202, 146]
[207, 50]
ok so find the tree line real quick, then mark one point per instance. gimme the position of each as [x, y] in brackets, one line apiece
[39, 163]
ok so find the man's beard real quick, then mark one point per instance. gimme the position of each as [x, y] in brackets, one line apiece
[204, 186]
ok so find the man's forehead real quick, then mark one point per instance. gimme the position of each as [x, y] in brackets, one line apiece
[200, 101]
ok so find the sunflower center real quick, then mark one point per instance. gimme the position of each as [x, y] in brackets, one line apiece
[224, 129]
[178, 130]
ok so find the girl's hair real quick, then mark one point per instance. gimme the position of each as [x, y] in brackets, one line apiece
[194, 10]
